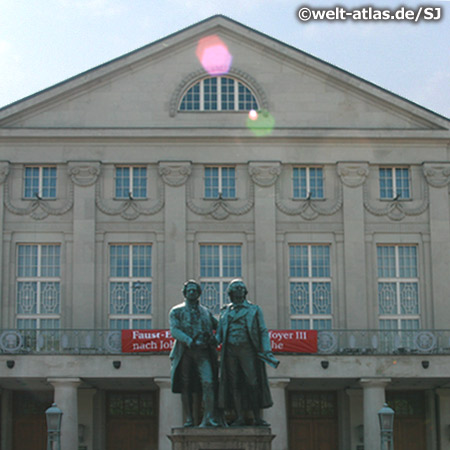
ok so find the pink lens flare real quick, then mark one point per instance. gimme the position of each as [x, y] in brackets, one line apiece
[252, 114]
[213, 55]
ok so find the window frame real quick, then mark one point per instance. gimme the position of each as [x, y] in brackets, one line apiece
[40, 193]
[396, 191]
[131, 280]
[309, 195]
[221, 90]
[221, 278]
[132, 182]
[397, 317]
[220, 177]
[313, 319]
[38, 317]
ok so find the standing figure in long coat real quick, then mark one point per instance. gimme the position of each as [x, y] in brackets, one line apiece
[194, 355]
[246, 346]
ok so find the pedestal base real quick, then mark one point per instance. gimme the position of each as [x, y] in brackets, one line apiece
[232, 438]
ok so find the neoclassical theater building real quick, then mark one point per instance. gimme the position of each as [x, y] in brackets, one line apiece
[214, 153]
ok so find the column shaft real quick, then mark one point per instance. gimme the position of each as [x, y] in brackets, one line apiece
[170, 412]
[277, 414]
[374, 398]
[66, 398]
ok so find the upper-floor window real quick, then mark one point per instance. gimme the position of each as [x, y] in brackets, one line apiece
[38, 303]
[40, 182]
[130, 286]
[131, 182]
[218, 94]
[307, 182]
[310, 287]
[398, 287]
[220, 181]
[219, 264]
[394, 183]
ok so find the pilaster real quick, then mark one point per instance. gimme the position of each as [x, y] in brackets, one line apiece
[438, 179]
[353, 176]
[264, 175]
[84, 175]
[374, 398]
[4, 172]
[174, 175]
[66, 398]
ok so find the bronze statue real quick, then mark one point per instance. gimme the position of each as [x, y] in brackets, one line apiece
[245, 347]
[194, 355]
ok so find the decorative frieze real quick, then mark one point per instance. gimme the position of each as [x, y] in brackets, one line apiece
[437, 174]
[84, 173]
[353, 174]
[264, 174]
[175, 173]
[221, 208]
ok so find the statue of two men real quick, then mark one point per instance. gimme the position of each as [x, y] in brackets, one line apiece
[242, 332]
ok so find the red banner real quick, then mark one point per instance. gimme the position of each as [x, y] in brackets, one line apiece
[154, 341]
[293, 341]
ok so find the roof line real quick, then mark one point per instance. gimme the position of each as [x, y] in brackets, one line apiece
[266, 36]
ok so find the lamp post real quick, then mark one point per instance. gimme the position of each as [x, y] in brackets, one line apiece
[386, 417]
[54, 416]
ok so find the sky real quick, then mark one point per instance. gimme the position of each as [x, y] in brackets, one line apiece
[43, 42]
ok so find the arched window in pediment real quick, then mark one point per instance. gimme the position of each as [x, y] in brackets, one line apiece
[221, 93]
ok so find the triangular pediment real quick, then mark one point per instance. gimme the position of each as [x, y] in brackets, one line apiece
[140, 89]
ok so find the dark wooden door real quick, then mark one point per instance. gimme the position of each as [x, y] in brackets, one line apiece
[313, 421]
[29, 423]
[409, 419]
[132, 421]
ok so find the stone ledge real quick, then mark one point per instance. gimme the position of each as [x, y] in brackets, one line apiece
[232, 438]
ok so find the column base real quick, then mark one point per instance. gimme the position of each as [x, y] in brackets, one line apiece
[232, 438]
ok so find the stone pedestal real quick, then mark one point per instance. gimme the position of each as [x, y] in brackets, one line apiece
[245, 438]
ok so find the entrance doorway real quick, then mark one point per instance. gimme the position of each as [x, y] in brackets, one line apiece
[131, 421]
[29, 423]
[313, 421]
[409, 419]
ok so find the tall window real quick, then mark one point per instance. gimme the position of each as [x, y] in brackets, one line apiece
[220, 182]
[219, 264]
[310, 287]
[394, 183]
[131, 182]
[218, 94]
[40, 182]
[38, 286]
[307, 182]
[130, 286]
[398, 287]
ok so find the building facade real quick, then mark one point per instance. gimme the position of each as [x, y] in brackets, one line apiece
[215, 153]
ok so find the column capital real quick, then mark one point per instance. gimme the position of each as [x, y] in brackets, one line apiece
[84, 173]
[4, 171]
[61, 382]
[353, 174]
[374, 382]
[264, 174]
[175, 173]
[279, 383]
[442, 392]
[163, 382]
[437, 174]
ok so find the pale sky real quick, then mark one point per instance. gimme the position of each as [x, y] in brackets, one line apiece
[43, 42]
